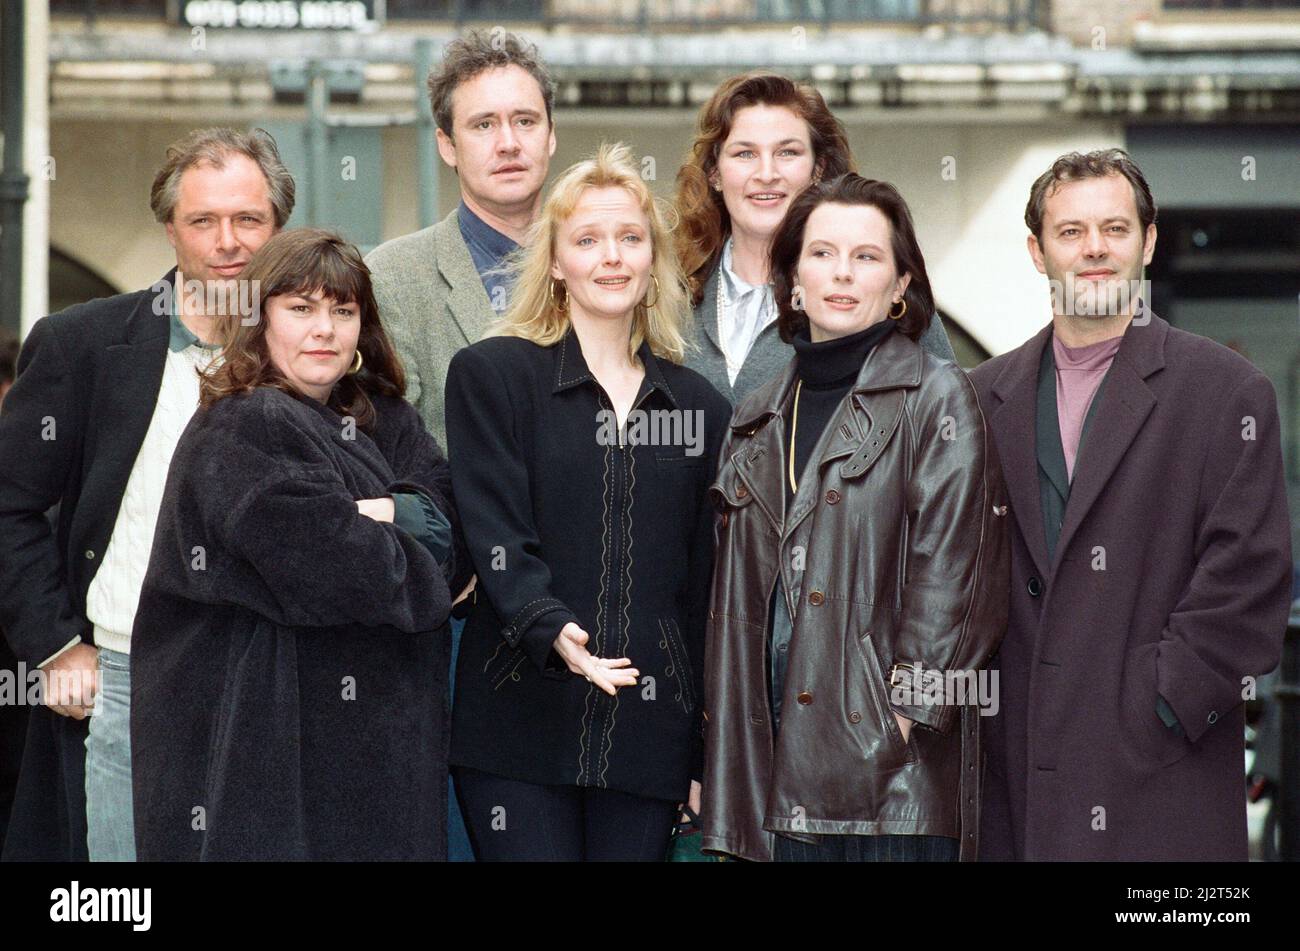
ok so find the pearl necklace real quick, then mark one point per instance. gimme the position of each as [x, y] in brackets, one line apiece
[723, 305]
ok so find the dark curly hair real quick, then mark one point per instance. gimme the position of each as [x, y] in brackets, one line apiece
[304, 261]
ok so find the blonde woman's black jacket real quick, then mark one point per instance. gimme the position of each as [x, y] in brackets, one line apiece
[564, 524]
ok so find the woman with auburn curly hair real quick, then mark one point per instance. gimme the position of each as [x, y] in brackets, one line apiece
[290, 651]
[761, 140]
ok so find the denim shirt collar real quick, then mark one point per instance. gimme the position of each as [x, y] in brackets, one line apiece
[182, 337]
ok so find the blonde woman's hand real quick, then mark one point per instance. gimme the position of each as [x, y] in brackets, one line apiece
[381, 510]
[607, 673]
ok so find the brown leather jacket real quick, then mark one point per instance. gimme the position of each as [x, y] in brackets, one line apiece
[894, 553]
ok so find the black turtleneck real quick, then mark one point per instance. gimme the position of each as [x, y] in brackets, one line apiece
[827, 372]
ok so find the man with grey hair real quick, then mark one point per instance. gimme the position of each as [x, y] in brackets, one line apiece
[103, 392]
[439, 289]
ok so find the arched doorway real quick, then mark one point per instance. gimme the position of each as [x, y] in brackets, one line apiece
[71, 282]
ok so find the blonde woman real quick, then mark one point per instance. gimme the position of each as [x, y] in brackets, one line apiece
[584, 451]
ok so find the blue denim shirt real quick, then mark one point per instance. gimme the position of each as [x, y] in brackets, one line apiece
[488, 248]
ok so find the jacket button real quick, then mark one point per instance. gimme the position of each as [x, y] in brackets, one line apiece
[816, 598]
[90, 555]
[855, 717]
[1035, 587]
[741, 492]
[832, 497]
[1213, 717]
[805, 698]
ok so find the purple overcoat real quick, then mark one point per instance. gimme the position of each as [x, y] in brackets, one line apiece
[1171, 577]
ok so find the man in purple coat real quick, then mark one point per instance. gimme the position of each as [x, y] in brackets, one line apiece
[1151, 557]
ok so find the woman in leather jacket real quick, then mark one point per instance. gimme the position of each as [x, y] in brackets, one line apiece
[861, 574]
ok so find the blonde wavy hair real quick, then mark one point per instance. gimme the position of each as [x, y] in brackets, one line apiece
[536, 314]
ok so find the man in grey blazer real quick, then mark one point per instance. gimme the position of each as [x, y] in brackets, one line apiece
[492, 101]
[440, 289]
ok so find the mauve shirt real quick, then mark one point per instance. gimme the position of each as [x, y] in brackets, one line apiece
[1079, 371]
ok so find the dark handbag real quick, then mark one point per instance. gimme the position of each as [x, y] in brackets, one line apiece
[684, 845]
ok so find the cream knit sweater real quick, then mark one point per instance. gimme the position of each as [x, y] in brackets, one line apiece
[114, 591]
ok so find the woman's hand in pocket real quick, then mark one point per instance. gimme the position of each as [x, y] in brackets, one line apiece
[904, 726]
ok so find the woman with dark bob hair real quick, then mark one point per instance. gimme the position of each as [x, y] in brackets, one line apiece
[762, 139]
[290, 651]
[860, 580]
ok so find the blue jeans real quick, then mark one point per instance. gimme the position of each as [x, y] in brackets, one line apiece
[110, 826]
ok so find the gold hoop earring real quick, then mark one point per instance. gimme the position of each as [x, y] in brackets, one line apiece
[899, 315]
[356, 363]
[650, 303]
[555, 302]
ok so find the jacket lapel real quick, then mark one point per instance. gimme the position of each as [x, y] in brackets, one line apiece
[467, 300]
[1127, 401]
[891, 369]
[707, 313]
[133, 374]
[760, 462]
[1015, 418]
[864, 424]
[858, 433]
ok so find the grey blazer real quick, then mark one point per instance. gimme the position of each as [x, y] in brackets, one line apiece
[432, 303]
[769, 355]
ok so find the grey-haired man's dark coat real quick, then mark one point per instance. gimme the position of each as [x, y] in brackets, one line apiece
[289, 657]
[87, 386]
[1171, 578]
